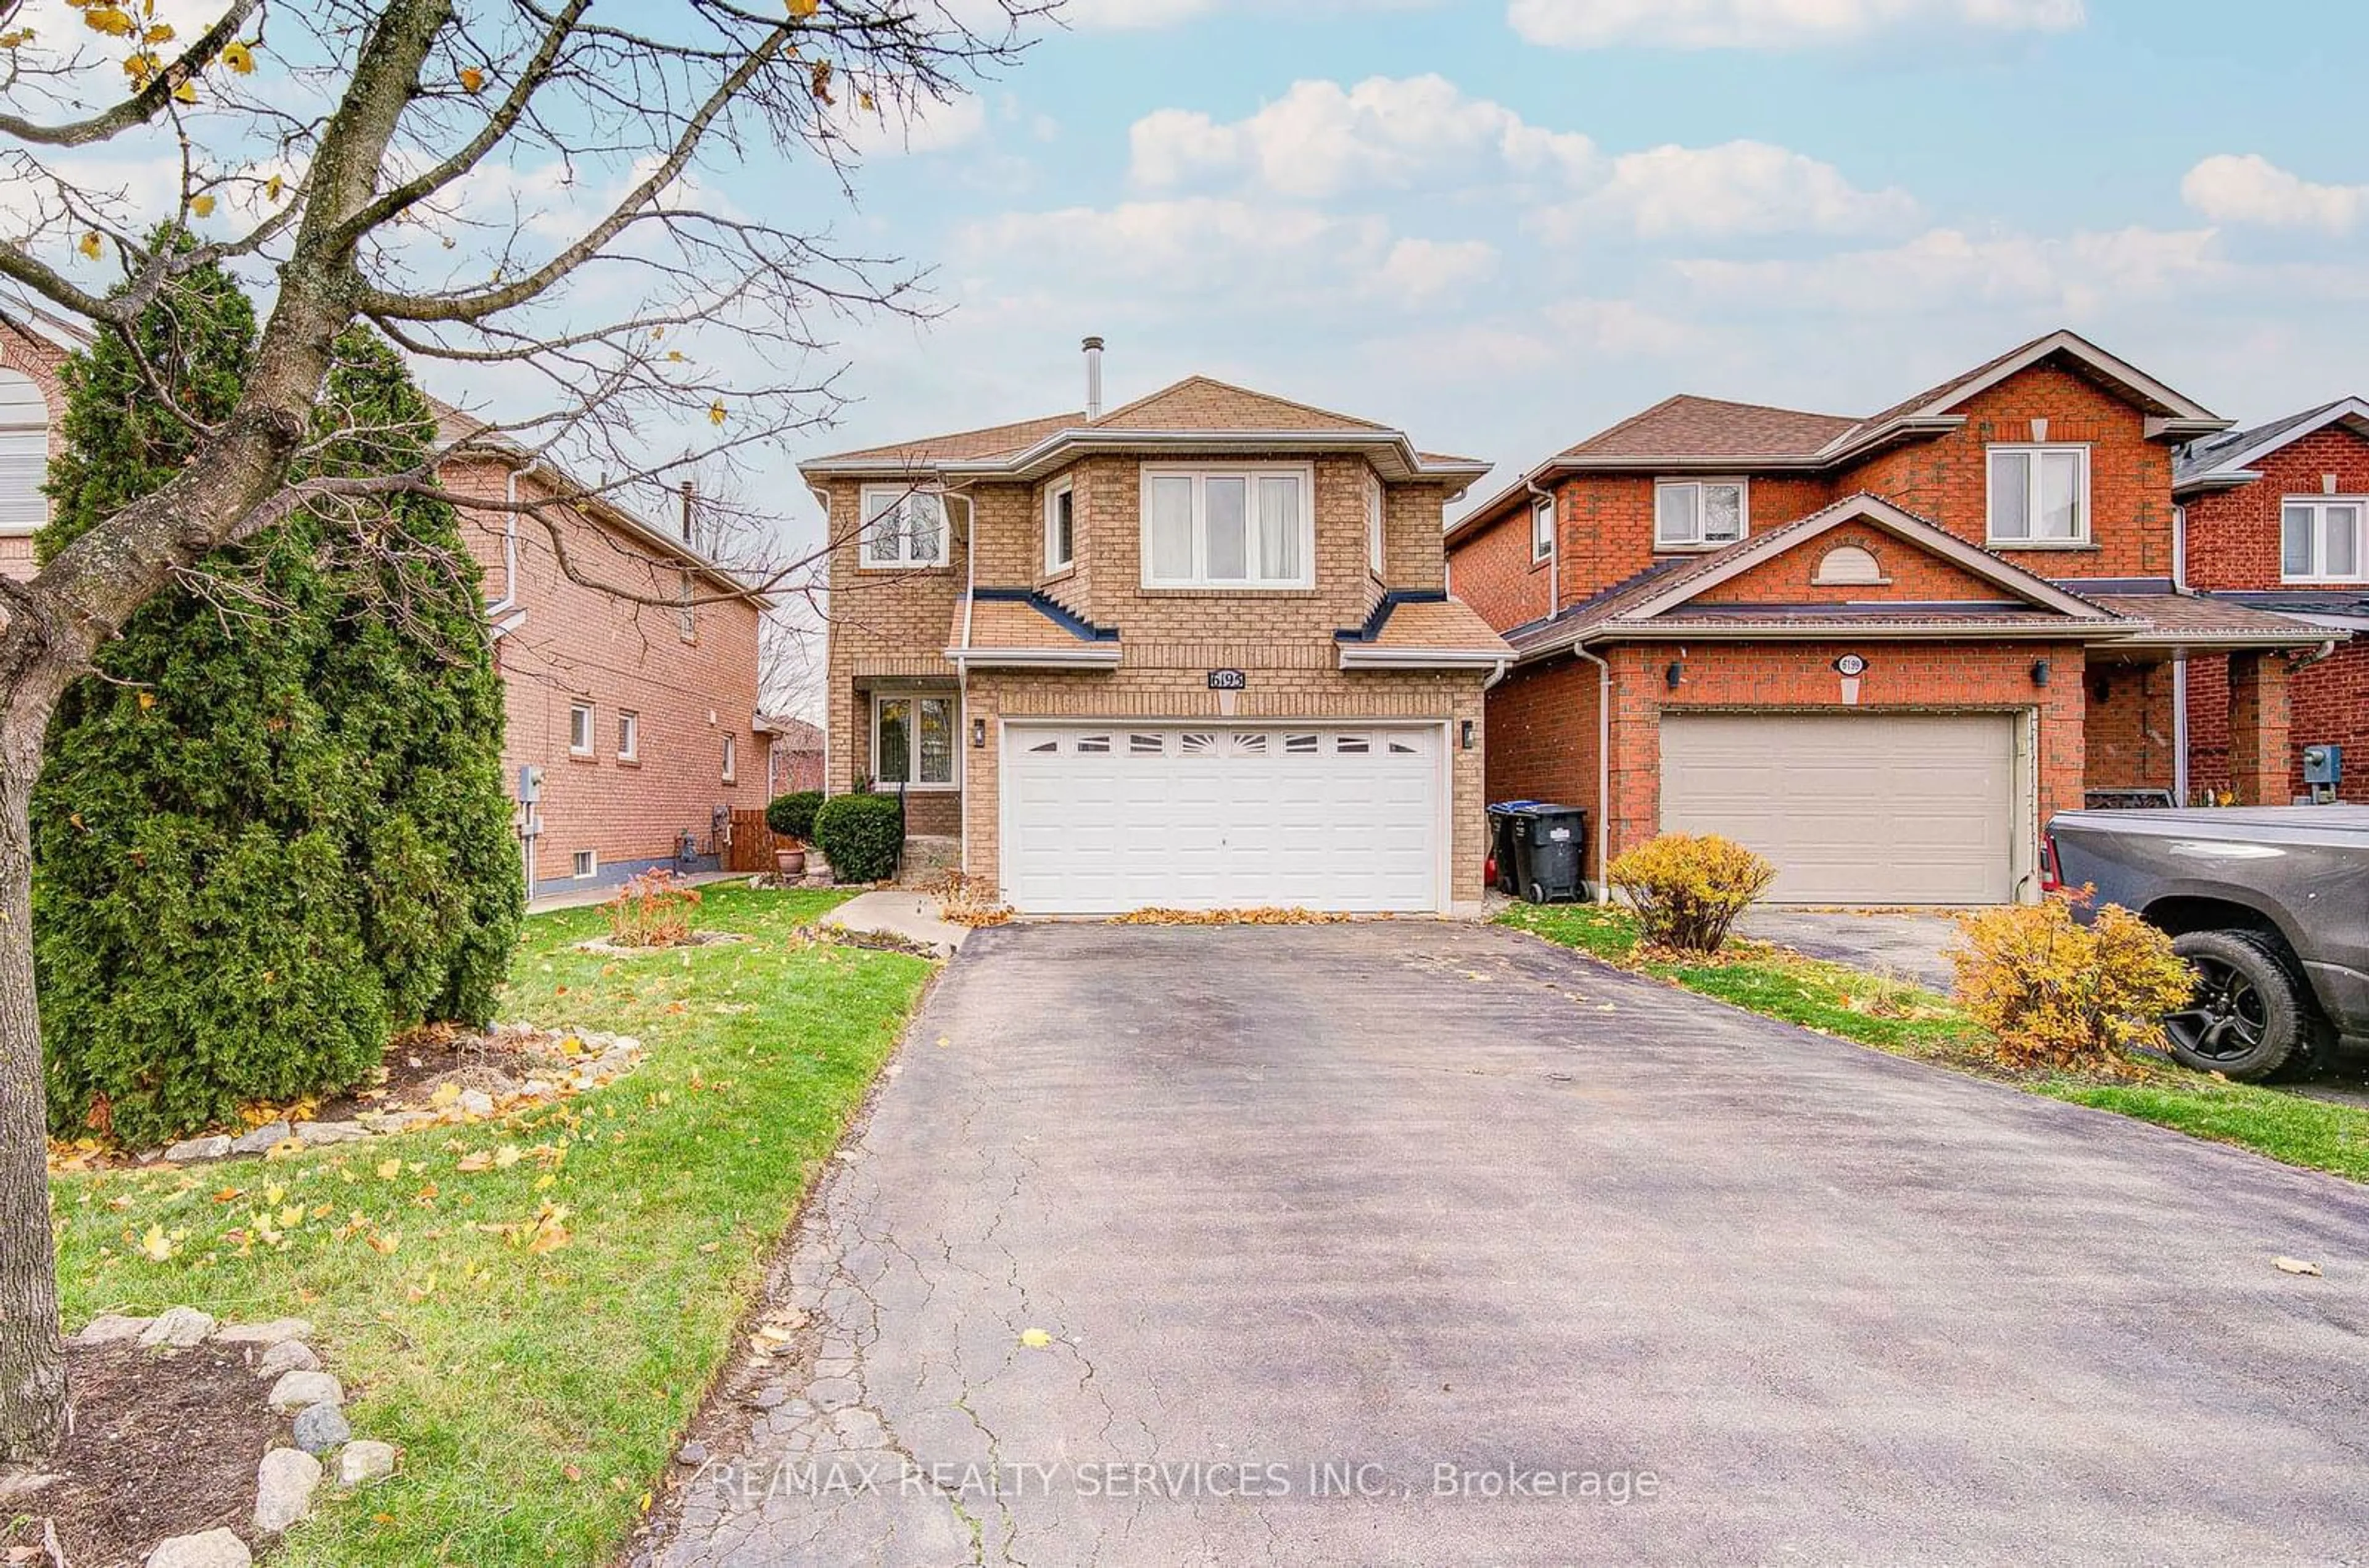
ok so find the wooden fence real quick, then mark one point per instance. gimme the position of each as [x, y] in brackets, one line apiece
[752, 843]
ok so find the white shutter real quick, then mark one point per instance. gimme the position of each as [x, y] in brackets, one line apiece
[23, 453]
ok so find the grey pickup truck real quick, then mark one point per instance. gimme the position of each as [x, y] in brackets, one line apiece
[2270, 903]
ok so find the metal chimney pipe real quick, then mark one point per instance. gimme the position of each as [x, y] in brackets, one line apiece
[1094, 346]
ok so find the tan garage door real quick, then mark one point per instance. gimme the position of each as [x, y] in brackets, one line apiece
[1854, 808]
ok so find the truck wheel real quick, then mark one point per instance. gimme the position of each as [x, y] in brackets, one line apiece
[2248, 1018]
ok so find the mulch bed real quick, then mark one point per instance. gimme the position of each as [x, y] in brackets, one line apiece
[419, 1059]
[166, 1443]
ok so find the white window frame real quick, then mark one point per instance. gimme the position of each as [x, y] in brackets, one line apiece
[629, 736]
[1378, 554]
[1743, 512]
[913, 741]
[2319, 506]
[1543, 529]
[1054, 560]
[589, 859]
[2078, 540]
[873, 503]
[731, 758]
[1251, 473]
[687, 614]
[592, 727]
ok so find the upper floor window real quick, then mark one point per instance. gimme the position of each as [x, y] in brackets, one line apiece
[2039, 495]
[731, 759]
[686, 617]
[1377, 548]
[1695, 514]
[629, 737]
[2320, 539]
[903, 527]
[1060, 527]
[580, 729]
[23, 453]
[1248, 527]
[1542, 524]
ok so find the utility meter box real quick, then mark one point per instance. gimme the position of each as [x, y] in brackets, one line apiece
[530, 785]
[2323, 765]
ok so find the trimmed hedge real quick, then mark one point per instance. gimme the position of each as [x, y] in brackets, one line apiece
[862, 836]
[792, 815]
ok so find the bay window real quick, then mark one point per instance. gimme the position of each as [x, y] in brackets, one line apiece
[2039, 495]
[903, 527]
[1697, 514]
[1246, 527]
[913, 740]
[2320, 539]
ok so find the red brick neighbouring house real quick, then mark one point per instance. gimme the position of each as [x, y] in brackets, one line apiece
[1883, 650]
[642, 718]
[2275, 517]
[794, 755]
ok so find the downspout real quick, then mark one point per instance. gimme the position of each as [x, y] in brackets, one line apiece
[2180, 665]
[494, 612]
[961, 667]
[1603, 768]
[1554, 547]
[822, 499]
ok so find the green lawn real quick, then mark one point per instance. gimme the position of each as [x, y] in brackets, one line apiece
[534, 1334]
[1891, 1015]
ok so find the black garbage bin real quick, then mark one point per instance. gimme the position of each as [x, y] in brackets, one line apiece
[1547, 844]
[1501, 842]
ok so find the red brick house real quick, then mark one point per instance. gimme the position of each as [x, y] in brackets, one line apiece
[794, 755]
[2277, 517]
[641, 718]
[1882, 649]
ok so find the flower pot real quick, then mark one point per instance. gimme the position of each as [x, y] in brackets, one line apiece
[790, 863]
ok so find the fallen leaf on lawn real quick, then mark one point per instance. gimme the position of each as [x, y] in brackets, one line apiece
[159, 1246]
[292, 1217]
[1034, 1339]
[384, 1241]
[709, 1247]
[571, 1473]
[483, 1160]
[445, 1095]
[505, 1156]
[2295, 1266]
[389, 1169]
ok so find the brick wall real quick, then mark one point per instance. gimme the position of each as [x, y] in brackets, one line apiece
[1542, 741]
[1915, 576]
[1945, 479]
[2127, 725]
[590, 642]
[2233, 535]
[2328, 702]
[1492, 570]
[1908, 677]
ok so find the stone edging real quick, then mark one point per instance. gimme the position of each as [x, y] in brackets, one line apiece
[286, 1480]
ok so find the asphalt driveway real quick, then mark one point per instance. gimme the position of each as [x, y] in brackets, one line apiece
[1195, 1245]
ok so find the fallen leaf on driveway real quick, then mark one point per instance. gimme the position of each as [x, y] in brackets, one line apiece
[2295, 1266]
[1036, 1339]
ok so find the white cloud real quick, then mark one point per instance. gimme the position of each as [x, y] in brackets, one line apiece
[2229, 188]
[1194, 245]
[1770, 24]
[1322, 139]
[1946, 269]
[1737, 188]
[1422, 269]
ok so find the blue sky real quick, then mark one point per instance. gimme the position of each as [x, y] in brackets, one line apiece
[1504, 223]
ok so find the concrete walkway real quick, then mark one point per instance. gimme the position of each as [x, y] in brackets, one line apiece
[892, 911]
[1424, 1244]
[1907, 943]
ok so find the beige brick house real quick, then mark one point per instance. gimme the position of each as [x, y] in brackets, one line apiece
[1196, 652]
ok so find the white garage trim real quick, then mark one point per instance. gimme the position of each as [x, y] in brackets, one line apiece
[1438, 737]
[1863, 806]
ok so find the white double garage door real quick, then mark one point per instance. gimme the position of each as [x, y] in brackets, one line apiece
[1859, 808]
[1102, 818]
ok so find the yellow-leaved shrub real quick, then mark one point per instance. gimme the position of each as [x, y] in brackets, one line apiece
[1689, 889]
[2058, 993]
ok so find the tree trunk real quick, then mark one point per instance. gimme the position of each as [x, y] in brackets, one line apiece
[33, 1355]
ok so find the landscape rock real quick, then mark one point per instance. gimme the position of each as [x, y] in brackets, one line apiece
[261, 1140]
[177, 1328]
[362, 1460]
[212, 1148]
[288, 1356]
[112, 1328]
[284, 1482]
[476, 1103]
[320, 1427]
[316, 1135]
[296, 1389]
[278, 1331]
[538, 1089]
[393, 1121]
[692, 1453]
[213, 1549]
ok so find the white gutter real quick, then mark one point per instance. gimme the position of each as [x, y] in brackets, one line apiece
[508, 600]
[962, 669]
[1358, 655]
[1055, 449]
[1090, 656]
[829, 634]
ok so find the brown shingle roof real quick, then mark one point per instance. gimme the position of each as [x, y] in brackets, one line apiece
[1686, 426]
[1446, 625]
[2186, 615]
[1199, 402]
[994, 440]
